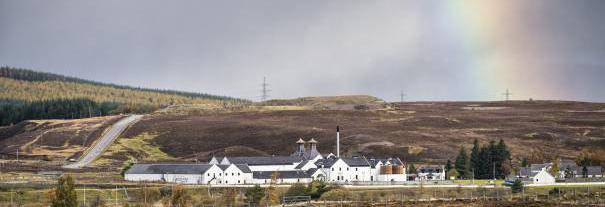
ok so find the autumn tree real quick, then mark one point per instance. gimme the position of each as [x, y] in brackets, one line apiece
[271, 193]
[65, 193]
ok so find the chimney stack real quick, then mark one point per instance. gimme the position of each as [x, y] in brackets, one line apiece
[337, 141]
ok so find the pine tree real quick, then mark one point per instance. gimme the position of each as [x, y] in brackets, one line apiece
[502, 156]
[412, 169]
[517, 186]
[462, 164]
[475, 160]
[524, 162]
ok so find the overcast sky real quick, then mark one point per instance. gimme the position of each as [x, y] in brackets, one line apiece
[433, 50]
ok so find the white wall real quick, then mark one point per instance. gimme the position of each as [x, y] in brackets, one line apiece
[273, 167]
[340, 172]
[183, 178]
[233, 175]
[213, 172]
[143, 177]
[285, 181]
[543, 177]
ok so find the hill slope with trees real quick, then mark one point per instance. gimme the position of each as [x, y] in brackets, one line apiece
[27, 94]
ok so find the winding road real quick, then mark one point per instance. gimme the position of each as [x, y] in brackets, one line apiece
[104, 142]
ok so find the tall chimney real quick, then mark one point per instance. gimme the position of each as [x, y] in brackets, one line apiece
[337, 141]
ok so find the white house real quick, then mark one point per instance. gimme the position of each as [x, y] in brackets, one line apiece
[543, 177]
[430, 172]
[537, 174]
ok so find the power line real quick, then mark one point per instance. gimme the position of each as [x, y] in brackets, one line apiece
[507, 94]
[265, 90]
[403, 95]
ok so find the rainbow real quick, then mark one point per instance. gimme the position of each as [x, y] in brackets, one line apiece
[490, 32]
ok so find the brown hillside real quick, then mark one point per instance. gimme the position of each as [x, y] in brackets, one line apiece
[418, 131]
[414, 131]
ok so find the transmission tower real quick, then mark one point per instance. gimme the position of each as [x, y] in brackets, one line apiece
[507, 94]
[403, 95]
[265, 90]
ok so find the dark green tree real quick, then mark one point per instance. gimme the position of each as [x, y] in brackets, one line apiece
[412, 169]
[517, 186]
[475, 160]
[524, 162]
[462, 164]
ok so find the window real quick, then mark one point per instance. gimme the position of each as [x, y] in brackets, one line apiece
[332, 169]
[356, 177]
[355, 169]
[237, 181]
[340, 169]
[226, 181]
[219, 174]
[237, 174]
[208, 174]
[347, 169]
[232, 173]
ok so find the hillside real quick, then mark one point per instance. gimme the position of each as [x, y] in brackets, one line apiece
[20, 87]
[417, 131]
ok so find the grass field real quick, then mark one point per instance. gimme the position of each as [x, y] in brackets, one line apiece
[479, 182]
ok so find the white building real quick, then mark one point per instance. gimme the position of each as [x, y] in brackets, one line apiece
[430, 172]
[303, 166]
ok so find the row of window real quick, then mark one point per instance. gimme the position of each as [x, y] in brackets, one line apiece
[220, 174]
[340, 169]
[227, 182]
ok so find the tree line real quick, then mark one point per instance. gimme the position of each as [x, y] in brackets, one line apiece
[14, 111]
[30, 75]
[485, 162]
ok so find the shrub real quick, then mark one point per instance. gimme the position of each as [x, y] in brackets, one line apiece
[254, 195]
[517, 186]
[180, 198]
[97, 202]
[336, 194]
[297, 189]
[317, 188]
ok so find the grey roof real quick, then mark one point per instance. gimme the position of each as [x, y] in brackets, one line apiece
[538, 167]
[356, 162]
[395, 161]
[568, 163]
[281, 174]
[594, 170]
[244, 168]
[312, 170]
[302, 164]
[265, 160]
[223, 167]
[527, 172]
[326, 162]
[168, 169]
